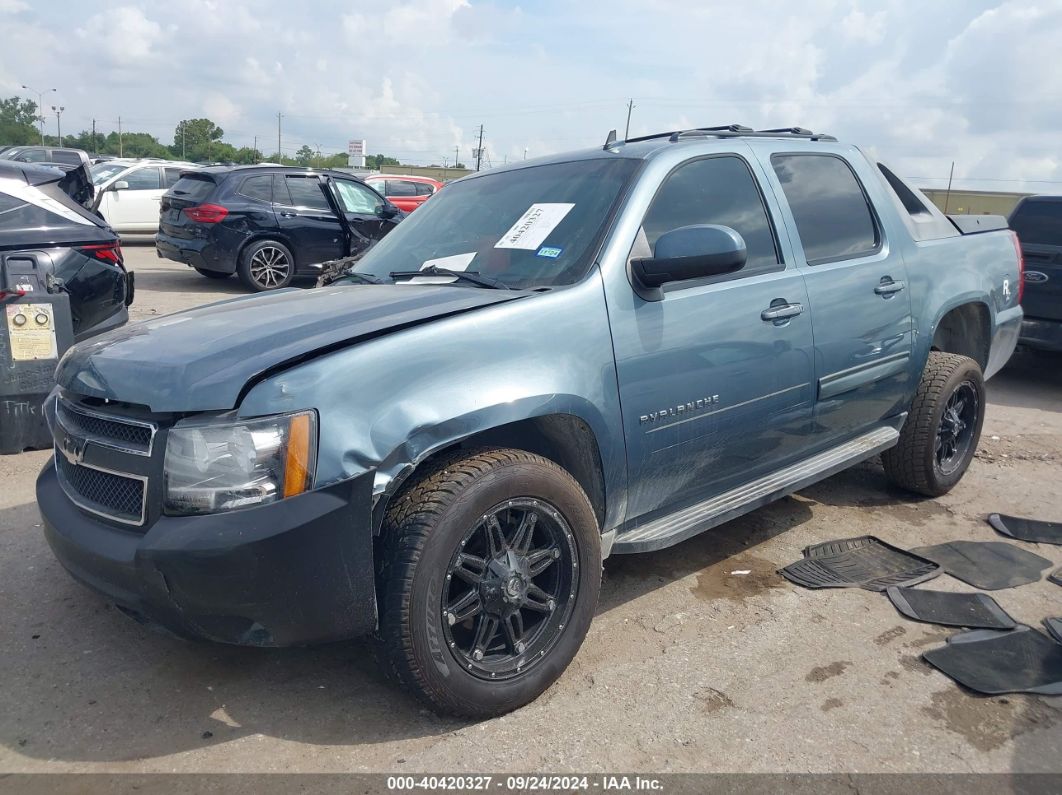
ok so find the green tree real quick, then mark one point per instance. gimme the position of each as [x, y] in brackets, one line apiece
[377, 162]
[18, 120]
[305, 156]
[198, 139]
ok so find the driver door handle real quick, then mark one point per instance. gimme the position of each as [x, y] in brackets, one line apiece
[889, 287]
[781, 311]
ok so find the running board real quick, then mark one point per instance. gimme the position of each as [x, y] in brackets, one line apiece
[682, 524]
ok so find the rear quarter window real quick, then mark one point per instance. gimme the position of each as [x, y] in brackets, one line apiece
[259, 187]
[832, 215]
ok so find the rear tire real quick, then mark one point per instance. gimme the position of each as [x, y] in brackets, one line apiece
[266, 265]
[940, 436]
[212, 274]
[466, 623]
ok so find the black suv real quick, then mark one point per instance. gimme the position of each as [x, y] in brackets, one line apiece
[62, 280]
[269, 224]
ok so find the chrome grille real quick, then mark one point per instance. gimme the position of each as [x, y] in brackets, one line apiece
[123, 434]
[109, 494]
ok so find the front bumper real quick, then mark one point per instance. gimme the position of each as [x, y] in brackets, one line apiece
[1043, 335]
[294, 572]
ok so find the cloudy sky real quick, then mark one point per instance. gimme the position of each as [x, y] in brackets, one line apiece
[921, 83]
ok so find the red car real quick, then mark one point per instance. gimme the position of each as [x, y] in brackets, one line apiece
[406, 193]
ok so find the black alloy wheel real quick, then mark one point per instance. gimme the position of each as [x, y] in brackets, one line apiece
[510, 589]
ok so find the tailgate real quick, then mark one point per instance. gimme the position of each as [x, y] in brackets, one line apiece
[1038, 223]
[1043, 281]
[190, 190]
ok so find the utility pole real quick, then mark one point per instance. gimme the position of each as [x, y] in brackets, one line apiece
[479, 151]
[627, 132]
[40, 107]
[254, 152]
[280, 152]
[184, 134]
[59, 121]
[120, 136]
[94, 147]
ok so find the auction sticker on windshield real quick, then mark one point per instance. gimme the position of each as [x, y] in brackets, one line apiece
[31, 329]
[534, 226]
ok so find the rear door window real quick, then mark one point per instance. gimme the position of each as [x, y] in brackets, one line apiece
[716, 190]
[68, 158]
[1038, 223]
[304, 192]
[424, 189]
[143, 179]
[400, 188]
[171, 176]
[833, 217]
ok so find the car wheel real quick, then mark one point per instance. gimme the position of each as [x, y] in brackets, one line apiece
[939, 437]
[266, 265]
[212, 274]
[489, 570]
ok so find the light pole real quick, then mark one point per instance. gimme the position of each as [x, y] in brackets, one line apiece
[40, 107]
[58, 121]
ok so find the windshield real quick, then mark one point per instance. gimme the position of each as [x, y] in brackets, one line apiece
[101, 172]
[1038, 222]
[532, 227]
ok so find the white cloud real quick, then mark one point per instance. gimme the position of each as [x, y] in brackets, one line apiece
[921, 83]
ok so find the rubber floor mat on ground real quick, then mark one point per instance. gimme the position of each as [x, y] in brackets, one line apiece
[1056, 577]
[1032, 530]
[863, 562]
[989, 565]
[1054, 628]
[972, 610]
[989, 662]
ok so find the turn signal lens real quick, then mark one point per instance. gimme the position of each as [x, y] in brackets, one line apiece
[297, 465]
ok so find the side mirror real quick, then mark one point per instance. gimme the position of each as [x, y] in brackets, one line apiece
[387, 211]
[689, 252]
[120, 185]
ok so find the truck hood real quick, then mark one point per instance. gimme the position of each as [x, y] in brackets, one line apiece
[201, 359]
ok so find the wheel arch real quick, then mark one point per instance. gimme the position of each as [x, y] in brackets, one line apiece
[964, 328]
[565, 439]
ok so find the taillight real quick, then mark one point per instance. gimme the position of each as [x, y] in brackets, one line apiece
[107, 252]
[1021, 264]
[206, 213]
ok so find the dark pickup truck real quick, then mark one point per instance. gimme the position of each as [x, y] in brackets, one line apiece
[1038, 222]
[603, 352]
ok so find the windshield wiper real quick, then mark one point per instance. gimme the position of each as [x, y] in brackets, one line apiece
[471, 276]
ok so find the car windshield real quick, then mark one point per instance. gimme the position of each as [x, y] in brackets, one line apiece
[530, 227]
[101, 172]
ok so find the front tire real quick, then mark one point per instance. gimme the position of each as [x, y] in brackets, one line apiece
[266, 265]
[488, 576]
[940, 436]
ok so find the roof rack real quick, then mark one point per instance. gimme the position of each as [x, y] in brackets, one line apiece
[725, 131]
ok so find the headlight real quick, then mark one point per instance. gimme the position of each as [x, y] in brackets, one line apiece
[215, 467]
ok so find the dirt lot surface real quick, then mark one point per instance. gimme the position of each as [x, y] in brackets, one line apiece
[687, 667]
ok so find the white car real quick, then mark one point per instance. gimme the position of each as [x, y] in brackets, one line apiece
[129, 191]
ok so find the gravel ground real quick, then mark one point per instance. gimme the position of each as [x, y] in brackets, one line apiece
[687, 667]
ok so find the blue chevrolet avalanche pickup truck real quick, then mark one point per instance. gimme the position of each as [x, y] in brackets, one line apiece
[598, 353]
